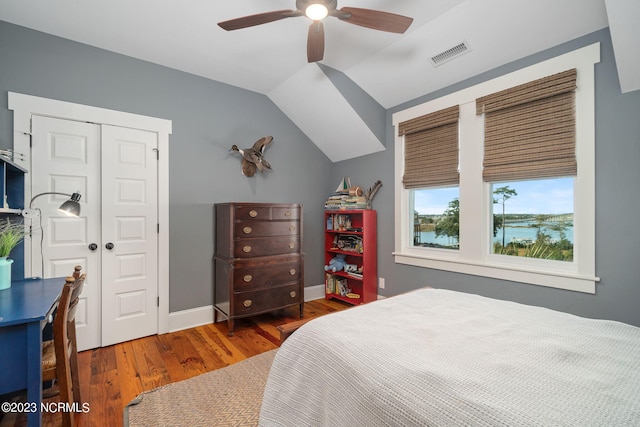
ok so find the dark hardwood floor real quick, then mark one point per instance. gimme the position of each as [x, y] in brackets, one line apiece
[110, 377]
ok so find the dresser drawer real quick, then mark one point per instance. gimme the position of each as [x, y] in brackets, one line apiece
[265, 228]
[262, 301]
[266, 213]
[285, 213]
[262, 275]
[261, 213]
[251, 248]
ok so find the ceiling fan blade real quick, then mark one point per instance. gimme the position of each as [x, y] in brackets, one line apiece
[315, 42]
[377, 20]
[260, 18]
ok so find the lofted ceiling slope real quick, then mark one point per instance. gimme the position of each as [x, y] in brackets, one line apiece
[271, 58]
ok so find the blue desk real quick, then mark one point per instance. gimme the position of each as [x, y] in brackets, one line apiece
[24, 310]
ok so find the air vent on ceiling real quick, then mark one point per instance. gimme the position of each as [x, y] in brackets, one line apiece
[449, 54]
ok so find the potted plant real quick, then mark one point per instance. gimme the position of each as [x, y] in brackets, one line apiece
[11, 234]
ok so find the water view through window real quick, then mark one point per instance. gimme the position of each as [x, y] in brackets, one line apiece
[436, 217]
[530, 218]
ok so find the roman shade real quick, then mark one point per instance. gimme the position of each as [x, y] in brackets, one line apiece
[530, 129]
[431, 149]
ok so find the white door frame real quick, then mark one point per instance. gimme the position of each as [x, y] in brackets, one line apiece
[24, 106]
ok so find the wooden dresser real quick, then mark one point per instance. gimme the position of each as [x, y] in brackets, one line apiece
[258, 265]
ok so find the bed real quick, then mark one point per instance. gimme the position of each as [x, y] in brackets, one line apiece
[443, 358]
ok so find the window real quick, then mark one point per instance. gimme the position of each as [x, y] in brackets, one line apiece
[436, 218]
[533, 219]
[504, 229]
[431, 162]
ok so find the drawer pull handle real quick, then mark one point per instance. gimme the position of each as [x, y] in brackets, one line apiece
[247, 303]
[292, 228]
[287, 213]
[292, 271]
[253, 213]
[292, 294]
[247, 230]
[247, 278]
[292, 245]
[246, 249]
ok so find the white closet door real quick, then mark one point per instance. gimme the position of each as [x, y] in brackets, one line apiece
[66, 158]
[116, 172]
[129, 234]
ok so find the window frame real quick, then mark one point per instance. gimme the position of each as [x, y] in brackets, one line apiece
[474, 256]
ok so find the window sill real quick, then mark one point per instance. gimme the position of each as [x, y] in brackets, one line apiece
[554, 279]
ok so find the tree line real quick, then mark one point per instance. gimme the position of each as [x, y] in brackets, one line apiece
[545, 247]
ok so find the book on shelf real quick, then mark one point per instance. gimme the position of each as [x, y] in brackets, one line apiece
[330, 284]
[336, 201]
[338, 222]
[336, 285]
[356, 202]
[342, 287]
[345, 201]
[341, 222]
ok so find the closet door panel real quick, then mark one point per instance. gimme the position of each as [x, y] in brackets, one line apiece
[129, 231]
[66, 158]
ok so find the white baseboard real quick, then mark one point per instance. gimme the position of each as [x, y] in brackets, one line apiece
[190, 318]
[185, 319]
[313, 292]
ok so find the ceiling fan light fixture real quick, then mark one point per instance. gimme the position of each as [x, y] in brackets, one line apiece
[316, 12]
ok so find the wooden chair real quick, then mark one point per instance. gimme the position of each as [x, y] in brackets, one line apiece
[60, 355]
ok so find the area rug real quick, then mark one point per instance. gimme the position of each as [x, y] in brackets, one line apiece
[229, 396]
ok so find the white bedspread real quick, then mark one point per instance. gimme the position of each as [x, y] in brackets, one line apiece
[443, 358]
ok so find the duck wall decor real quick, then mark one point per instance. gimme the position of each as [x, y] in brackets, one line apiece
[253, 158]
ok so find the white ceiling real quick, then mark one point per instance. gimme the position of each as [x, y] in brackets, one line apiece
[271, 58]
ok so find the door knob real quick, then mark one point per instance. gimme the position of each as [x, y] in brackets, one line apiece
[109, 246]
[93, 246]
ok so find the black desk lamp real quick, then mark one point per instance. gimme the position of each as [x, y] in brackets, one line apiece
[71, 207]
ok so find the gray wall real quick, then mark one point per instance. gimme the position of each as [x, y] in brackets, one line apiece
[617, 233]
[208, 117]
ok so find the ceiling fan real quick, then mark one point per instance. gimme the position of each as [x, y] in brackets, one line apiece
[317, 10]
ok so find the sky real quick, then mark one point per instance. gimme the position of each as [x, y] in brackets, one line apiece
[545, 196]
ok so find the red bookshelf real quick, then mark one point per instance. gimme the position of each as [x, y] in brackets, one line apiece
[353, 234]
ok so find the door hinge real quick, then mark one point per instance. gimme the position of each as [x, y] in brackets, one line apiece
[157, 153]
[158, 301]
[158, 228]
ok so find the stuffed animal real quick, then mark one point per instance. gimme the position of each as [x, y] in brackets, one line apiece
[337, 263]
